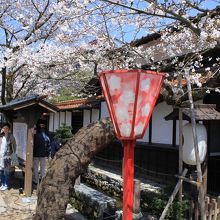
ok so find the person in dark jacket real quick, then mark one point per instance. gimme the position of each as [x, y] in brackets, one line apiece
[40, 152]
[55, 146]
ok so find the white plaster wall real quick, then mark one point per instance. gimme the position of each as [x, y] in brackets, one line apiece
[68, 119]
[86, 117]
[51, 122]
[146, 135]
[62, 118]
[56, 120]
[95, 115]
[161, 129]
[104, 110]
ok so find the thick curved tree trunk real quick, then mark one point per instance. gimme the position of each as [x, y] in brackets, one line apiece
[69, 162]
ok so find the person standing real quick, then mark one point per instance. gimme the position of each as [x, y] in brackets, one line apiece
[40, 152]
[7, 147]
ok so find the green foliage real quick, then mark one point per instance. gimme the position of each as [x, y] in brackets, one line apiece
[177, 210]
[155, 202]
[63, 133]
[73, 91]
[65, 94]
[152, 202]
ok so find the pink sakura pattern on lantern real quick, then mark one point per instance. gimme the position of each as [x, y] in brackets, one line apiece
[148, 92]
[107, 99]
[122, 90]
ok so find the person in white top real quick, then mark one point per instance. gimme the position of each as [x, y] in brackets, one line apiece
[3, 145]
[7, 147]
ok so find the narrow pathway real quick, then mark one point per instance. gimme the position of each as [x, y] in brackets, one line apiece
[16, 206]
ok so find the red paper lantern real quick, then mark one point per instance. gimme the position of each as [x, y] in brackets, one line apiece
[130, 96]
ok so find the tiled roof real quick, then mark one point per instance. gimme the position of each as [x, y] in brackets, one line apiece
[83, 103]
[203, 112]
[71, 104]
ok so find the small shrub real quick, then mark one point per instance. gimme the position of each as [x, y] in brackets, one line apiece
[155, 202]
[178, 210]
[63, 133]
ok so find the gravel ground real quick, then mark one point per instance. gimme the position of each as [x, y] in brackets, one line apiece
[16, 206]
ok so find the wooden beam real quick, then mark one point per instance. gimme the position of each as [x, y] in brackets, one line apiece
[180, 149]
[188, 180]
[28, 164]
[23, 106]
[201, 198]
[47, 107]
[137, 196]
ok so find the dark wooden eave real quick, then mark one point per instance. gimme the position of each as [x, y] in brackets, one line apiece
[203, 112]
[92, 87]
[28, 101]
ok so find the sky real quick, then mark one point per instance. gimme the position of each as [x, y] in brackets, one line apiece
[208, 4]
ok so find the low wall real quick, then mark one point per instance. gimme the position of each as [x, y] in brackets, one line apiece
[107, 182]
[92, 203]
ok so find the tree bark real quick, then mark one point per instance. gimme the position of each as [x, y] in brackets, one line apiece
[3, 86]
[70, 161]
[9, 87]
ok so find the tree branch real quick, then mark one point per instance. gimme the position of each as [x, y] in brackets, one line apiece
[172, 15]
[139, 10]
[22, 86]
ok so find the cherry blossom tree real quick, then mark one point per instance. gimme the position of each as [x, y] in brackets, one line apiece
[47, 44]
[35, 55]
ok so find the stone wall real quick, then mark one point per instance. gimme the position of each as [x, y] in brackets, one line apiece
[99, 179]
[92, 203]
[112, 185]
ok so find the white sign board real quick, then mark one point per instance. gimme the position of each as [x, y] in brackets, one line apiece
[20, 134]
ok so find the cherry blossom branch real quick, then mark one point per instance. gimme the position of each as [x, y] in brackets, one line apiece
[167, 14]
[139, 10]
[22, 86]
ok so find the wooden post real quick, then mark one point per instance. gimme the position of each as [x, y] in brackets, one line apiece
[207, 201]
[137, 196]
[191, 210]
[205, 173]
[214, 203]
[196, 147]
[205, 163]
[194, 196]
[176, 189]
[210, 210]
[188, 180]
[28, 164]
[180, 150]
